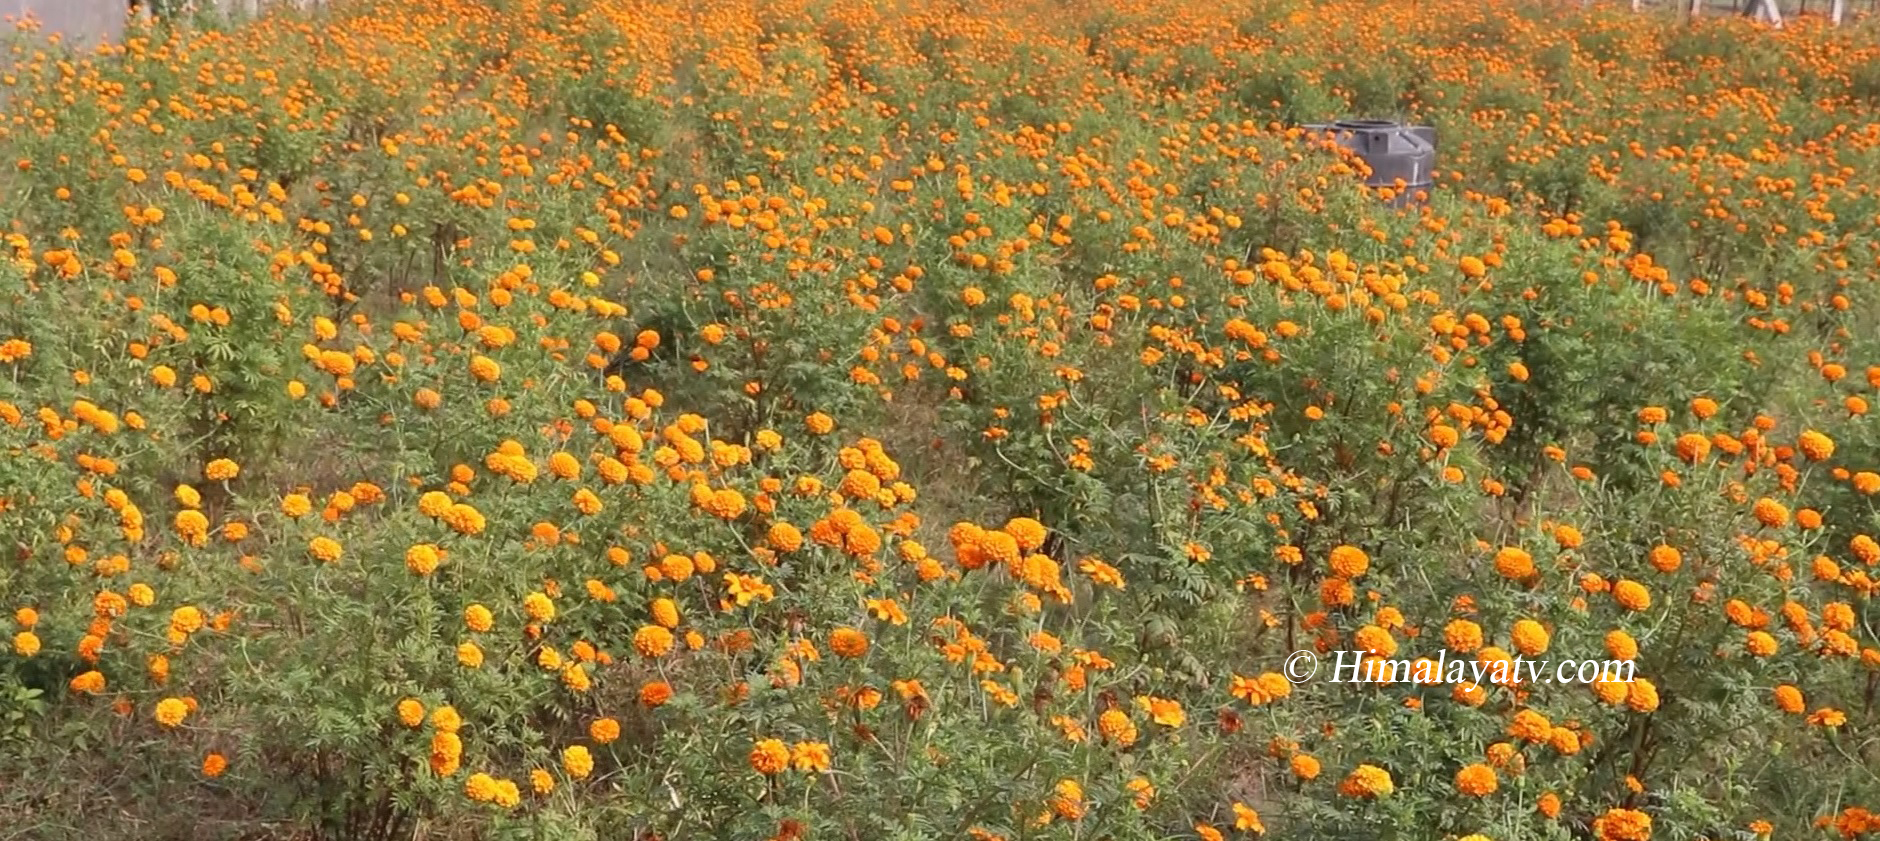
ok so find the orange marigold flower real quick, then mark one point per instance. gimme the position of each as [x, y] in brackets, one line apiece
[1349, 561]
[604, 730]
[1367, 781]
[1631, 595]
[1304, 767]
[656, 693]
[1815, 446]
[1530, 637]
[770, 756]
[848, 642]
[1514, 563]
[1623, 825]
[1477, 780]
[1789, 699]
[652, 641]
[411, 712]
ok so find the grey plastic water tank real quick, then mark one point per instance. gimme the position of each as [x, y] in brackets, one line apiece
[1393, 150]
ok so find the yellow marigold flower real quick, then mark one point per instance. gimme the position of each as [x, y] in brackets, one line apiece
[1067, 800]
[1116, 727]
[1247, 820]
[480, 787]
[186, 619]
[810, 757]
[485, 369]
[221, 470]
[1142, 790]
[434, 504]
[170, 712]
[478, 618]
[1760, 644]
[422, 559]
[1164, 711]
[296, 505]
[539, 607]
[577, 762]
[26, 643]
[542, 782]
[191, 524]
[325, 549]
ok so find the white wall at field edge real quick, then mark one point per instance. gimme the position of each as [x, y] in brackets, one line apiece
[96, 19]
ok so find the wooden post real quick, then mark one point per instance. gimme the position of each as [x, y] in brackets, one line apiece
[1837, 10]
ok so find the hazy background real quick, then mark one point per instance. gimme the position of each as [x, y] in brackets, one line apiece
[91, 19]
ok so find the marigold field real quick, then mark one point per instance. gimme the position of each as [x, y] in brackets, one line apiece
[881, 421]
